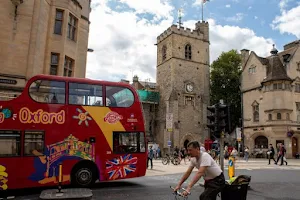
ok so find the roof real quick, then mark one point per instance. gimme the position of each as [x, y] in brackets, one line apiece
[275, 68]
[287, 54]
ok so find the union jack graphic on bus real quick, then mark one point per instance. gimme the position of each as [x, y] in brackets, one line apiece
[120, 167]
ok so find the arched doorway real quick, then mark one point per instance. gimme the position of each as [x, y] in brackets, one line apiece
[261, 142]
[186, 142]
[294, 146]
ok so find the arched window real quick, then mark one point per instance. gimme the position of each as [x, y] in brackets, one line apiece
[279, 116]
[261, 142]
[188, 52]
[164, 53]
[270, 116]
[255, 107]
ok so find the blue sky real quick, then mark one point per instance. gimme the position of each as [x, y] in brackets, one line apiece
[123, 32]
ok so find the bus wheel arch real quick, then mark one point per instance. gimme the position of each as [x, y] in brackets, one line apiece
[84, 173]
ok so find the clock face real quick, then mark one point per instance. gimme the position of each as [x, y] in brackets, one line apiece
[189, 87]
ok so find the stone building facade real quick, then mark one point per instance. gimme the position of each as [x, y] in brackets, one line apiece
[183, 83]
[41, 37]
[271, 99]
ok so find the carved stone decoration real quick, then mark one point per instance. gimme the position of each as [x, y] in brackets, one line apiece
[17, 2]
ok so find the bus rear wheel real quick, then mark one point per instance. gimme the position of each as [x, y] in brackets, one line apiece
[83, 176]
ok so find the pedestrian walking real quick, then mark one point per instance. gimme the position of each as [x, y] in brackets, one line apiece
[150, 157]
[271, 153]
[208, 168]
[281, 154]
[246, 154]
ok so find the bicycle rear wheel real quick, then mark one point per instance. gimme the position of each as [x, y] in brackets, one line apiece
[164, 161]
[176, 161]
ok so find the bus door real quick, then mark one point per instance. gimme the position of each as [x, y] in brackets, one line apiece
[10, 158]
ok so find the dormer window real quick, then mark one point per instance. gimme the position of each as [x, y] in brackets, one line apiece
[164, 53]
[252, 69]
[188, 52]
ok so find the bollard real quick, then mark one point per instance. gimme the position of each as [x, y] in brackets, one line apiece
[60, 175]
[231, 167]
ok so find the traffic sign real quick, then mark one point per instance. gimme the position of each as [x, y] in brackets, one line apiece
[169, 143]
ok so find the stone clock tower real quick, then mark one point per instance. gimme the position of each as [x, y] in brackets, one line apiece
[183, 84]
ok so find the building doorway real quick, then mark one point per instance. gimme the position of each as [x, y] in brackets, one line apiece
[294, 146]
[186, 142]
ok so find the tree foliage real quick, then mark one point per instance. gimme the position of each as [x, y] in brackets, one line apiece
[225, 83]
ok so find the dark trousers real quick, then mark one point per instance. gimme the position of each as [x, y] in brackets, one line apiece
[271, 157]
[150, 162]
[213, 188]
[281, 159]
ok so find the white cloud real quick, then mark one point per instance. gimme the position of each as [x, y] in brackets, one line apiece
[225, 38]
[250, 7]
[199, 2]
[283, 4]
[255, 17]
[123, 42]
[227, 6]
[157, 7]
[238, 17]
[288, 21]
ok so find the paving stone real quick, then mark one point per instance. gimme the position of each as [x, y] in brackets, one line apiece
[70, 194]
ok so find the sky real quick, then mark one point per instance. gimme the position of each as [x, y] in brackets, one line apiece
[123, 33]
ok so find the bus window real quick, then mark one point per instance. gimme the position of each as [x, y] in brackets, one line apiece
[117, 96]
[47, 91]
[10, 143]
[33, 142]
[85, 94]
[128, 142]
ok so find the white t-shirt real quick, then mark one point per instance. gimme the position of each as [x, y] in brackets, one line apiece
[213, 170]
[202, 149]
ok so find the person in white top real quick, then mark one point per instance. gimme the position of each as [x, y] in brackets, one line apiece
[208, 168]
[202, 148]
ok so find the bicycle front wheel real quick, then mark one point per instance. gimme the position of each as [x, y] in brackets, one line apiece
[176, 161]
[164, 161]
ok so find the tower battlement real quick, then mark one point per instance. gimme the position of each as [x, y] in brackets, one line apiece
[200, 32]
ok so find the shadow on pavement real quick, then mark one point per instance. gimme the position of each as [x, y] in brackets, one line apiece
[112, 184]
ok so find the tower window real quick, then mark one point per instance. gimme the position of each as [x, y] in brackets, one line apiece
[164, 53]
[255, 107]
[188, 52]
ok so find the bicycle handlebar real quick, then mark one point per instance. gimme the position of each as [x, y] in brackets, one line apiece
[180, 193]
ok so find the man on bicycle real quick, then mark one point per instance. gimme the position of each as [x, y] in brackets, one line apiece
[208, 168]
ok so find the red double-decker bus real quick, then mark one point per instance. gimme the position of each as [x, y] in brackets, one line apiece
[95, 129]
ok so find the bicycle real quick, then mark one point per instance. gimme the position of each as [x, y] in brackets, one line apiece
[166, 160]
[178, 193]
[218, 195]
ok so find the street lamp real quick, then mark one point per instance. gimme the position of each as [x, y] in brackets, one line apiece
[90, 50]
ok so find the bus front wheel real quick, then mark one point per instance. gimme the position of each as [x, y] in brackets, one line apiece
[83, 175]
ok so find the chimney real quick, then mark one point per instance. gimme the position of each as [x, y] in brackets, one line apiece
[135, 81]
[245, 56]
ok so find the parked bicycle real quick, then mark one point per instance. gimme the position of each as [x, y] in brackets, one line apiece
[179, 194]
[174, 159]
